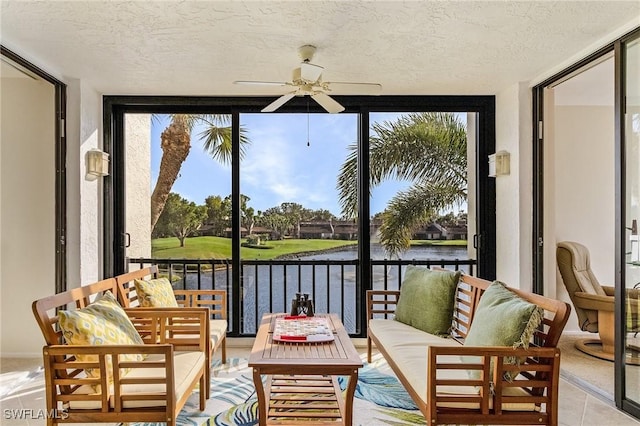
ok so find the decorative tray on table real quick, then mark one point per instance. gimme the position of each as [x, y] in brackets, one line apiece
[302, 329]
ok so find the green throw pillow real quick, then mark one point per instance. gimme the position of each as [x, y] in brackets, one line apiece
[427, 299]
[502, 318]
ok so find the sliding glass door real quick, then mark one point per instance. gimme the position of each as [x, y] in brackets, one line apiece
[586, 188]
[628, 329]
[271, 205]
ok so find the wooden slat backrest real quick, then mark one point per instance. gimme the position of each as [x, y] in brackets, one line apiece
[177, 326]
[45, 310]
[382, 303]
[556, 312]
[215, 300]
[126, 290]
[467, 297]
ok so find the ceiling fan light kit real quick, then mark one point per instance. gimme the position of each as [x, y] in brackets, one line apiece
[307, 81]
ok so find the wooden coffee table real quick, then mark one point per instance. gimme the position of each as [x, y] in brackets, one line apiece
[302, 377]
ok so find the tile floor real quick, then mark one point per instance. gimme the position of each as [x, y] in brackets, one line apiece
[577, 407]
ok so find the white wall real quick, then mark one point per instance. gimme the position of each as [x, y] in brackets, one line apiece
[513, 192]
[84, 197]
[138, 183]
[579, 179]
[27, 206]
[584, 201]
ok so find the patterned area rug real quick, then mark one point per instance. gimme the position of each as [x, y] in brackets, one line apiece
[19, 381]
[379, 399]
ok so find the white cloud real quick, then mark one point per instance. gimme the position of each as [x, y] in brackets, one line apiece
[267, 170]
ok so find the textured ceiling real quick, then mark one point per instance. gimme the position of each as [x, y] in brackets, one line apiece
[201, 47]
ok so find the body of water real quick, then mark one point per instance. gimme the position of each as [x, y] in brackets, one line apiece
[271, 288]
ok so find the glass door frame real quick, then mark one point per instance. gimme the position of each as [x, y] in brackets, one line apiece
[622, 401]
[114, 200]
[60, 126]
[617, 47]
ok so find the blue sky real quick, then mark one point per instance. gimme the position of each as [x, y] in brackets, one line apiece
[278, 166]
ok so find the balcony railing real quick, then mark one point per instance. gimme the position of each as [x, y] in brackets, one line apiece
[270, 285]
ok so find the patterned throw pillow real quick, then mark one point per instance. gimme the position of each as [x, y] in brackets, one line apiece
[103, 322]
[156, 293]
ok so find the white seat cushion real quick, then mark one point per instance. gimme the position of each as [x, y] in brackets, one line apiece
[407, 346]
[186, 365]
[392, 333]
[218, 330]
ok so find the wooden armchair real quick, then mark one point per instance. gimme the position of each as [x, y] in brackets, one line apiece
[214, 300]
[153, 389]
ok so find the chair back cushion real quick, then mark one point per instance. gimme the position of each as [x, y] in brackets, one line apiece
[575, 268]
[103, 322]
[503, 319]
[427, 299]
[155, 293]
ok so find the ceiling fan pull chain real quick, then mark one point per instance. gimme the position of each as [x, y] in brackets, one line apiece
[308, 143]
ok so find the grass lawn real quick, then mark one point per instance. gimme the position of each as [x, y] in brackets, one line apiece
[220, 248]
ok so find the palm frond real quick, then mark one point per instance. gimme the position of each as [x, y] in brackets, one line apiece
[421, 146]
[217, 142]
[218, 120]
[424, 148]
[156, 118]
[347, 184]
[414, 207]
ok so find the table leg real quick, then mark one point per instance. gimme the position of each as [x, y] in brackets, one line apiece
[262, 401]
[351, 390]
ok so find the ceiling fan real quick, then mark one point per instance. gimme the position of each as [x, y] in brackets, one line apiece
[307, 80]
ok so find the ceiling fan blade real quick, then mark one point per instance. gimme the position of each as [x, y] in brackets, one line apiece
[327, 103]
[261, 83]
[278, 102]
[310, 72]
[354, 88]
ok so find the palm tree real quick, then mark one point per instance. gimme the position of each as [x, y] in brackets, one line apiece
[427, 149]
[175, 142]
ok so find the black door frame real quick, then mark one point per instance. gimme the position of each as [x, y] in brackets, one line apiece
[617, 47]
[115, 108]
[60, 109]
[628, 405]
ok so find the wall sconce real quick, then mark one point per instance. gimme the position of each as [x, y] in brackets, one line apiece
[97, 163]
[499, 164]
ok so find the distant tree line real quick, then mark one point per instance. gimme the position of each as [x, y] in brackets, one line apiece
[182, 218]
[428, 149]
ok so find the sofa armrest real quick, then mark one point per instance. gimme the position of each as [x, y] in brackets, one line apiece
[65, 378]
[187, 329]
[382, 303]
[536, 382]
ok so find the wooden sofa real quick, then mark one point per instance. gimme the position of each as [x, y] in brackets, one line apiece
[152, 390]
[435, 370]
[215, 300]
